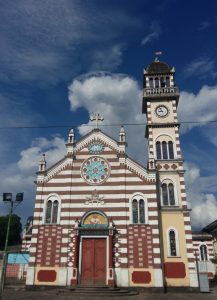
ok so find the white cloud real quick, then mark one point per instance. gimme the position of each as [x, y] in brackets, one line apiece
[154, 33]
[201, 107]
[201, 67]
[204, 25]
[203, 202]
[118, 99]
[54, 150]
[53, 40]
[107, 59]
[19, 177]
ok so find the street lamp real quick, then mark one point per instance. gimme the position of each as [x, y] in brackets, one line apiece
[7, 197]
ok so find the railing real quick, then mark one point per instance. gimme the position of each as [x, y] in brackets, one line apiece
[161, 91]
[206, 266]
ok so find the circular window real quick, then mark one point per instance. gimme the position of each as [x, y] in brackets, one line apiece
[95, 170]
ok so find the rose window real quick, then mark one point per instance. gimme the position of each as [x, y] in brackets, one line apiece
[95, 170]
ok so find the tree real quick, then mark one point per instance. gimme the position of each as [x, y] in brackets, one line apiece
[14, 233]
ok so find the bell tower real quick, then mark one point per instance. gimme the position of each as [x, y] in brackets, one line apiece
[160, 102]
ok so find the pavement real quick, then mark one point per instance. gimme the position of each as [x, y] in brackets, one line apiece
[61, 294]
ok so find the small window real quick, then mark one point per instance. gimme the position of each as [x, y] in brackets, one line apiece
[164, 150]
[162, 82]
[158, 150]
[171, 194]
[164, 194]
[203, 253]
[172, 243]
[171, 152]
[51, 213]
[48, 212]
[151, 83]
[168, 195]
[167, 82]
[55, 211]
[138, 211]
[135, 211]
[157, 85]
[141, 211]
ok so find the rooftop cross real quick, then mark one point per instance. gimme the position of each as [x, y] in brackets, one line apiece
[96, 117]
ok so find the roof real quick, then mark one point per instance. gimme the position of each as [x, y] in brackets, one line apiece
[200, 235]
[158, 67]
[210, 228]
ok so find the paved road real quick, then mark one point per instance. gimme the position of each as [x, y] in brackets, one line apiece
[13, 294]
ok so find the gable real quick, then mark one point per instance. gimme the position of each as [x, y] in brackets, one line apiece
[98, 145]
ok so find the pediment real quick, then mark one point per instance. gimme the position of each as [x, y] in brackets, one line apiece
[97, 136]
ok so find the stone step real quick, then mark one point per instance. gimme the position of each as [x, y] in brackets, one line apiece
[17, 287]
[98, 291]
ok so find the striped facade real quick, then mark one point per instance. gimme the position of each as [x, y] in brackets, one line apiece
[204, 253]
[53, 245]
[111, 225]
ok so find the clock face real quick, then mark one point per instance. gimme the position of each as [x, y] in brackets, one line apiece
[96, 148]
[161, 111]
[95, 170]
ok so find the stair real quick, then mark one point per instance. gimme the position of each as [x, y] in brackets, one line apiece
[97, 291]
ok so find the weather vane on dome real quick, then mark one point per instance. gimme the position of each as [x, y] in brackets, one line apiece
[157, 53]
[96, 117]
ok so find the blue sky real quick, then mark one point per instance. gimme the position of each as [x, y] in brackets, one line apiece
[61, 60]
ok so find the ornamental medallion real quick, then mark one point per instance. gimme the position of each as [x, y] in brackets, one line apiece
[96, 148]
[95, 170]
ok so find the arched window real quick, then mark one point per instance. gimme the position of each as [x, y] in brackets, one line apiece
[203, 252]
[48, 212]
[157, 83]
[162, 82]
[167, 82]
[171, 194]
[164, 194]
[170, 148]
[141, 211]
[168, 195]
[158, 150]
[138, 210]
[135, 211]
[172, 243]
[164, 150]
[151, 84]
[55, 211]
[51, 210]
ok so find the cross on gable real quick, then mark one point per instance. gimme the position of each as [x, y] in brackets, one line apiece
[96, 117]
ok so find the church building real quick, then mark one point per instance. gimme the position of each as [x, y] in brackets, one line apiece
[102, 219]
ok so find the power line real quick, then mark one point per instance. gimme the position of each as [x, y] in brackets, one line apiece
[102, 125]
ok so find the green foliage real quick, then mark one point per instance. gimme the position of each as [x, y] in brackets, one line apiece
[214, 260]
[14, 233]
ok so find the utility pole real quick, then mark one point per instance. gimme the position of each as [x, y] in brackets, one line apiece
[7, 197]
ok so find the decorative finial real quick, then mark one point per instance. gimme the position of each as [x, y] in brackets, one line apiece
[122, 135]
[42, 164]
[96, 117]
[157, 53]
[71, 136]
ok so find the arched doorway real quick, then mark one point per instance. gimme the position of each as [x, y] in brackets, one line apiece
[95, 250]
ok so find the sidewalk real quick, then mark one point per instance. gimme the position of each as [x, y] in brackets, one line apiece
[60, 294]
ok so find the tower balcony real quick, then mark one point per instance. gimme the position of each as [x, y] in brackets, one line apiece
[161, 92]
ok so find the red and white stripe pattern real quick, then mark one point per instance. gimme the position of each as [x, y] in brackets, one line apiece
[64, 179]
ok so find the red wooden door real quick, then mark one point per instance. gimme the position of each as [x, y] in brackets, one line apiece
[93, 269]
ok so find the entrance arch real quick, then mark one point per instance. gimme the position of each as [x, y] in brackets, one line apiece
[95, 249]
